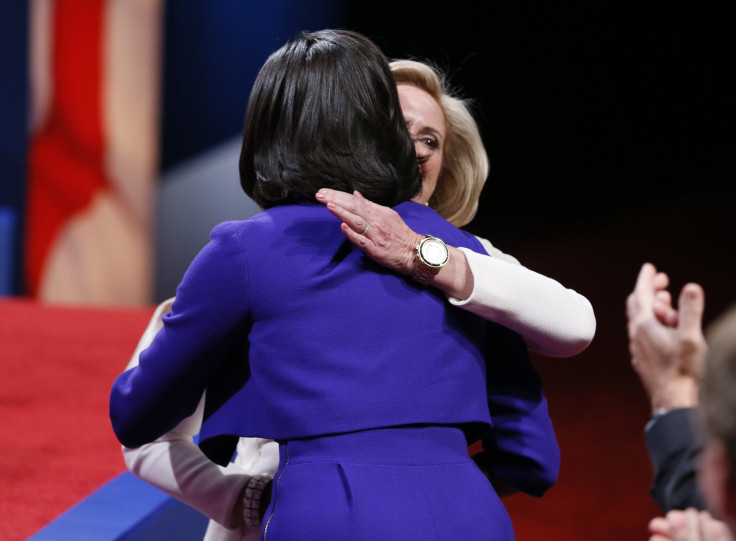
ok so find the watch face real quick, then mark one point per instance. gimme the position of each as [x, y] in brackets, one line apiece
[434, 252]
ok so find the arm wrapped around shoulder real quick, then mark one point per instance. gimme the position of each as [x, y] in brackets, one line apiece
[554, 320]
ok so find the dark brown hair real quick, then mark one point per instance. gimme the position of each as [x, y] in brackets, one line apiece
[324, 112]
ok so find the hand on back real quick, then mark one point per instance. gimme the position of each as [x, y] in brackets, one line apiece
[377, 230]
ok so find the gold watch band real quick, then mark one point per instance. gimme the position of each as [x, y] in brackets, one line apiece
[425, 270]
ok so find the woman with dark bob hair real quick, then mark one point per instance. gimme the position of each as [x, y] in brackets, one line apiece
[316, 119]
[371, 383]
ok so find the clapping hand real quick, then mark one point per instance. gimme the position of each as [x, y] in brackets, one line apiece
[688, 525]
[667, 345]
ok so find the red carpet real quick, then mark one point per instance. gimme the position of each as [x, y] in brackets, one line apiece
[57, 445]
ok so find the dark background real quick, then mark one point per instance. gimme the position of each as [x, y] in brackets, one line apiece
[587, 108]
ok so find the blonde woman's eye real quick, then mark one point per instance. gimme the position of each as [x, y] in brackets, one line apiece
[430, 143]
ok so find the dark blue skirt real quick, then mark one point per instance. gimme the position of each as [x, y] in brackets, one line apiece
[414, 483]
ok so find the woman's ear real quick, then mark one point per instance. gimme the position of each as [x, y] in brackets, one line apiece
[717, 481]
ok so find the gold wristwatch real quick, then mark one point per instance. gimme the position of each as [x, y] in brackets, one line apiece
[431, 255]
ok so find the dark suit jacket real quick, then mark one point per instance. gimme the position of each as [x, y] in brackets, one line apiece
[674, 447]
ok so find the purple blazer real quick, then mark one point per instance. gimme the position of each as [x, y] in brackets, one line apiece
[294, 332]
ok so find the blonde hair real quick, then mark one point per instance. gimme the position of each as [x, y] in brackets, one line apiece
[464, 161]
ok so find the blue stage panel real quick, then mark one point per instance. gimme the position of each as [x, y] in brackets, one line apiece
[126, 509]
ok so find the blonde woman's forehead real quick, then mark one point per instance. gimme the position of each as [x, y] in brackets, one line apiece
[420, 107]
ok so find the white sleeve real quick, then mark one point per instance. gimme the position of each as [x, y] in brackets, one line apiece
[553, 320]
[154, 325]
[175, 465]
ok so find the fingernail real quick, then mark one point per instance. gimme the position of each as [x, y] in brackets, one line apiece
[320, 195]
